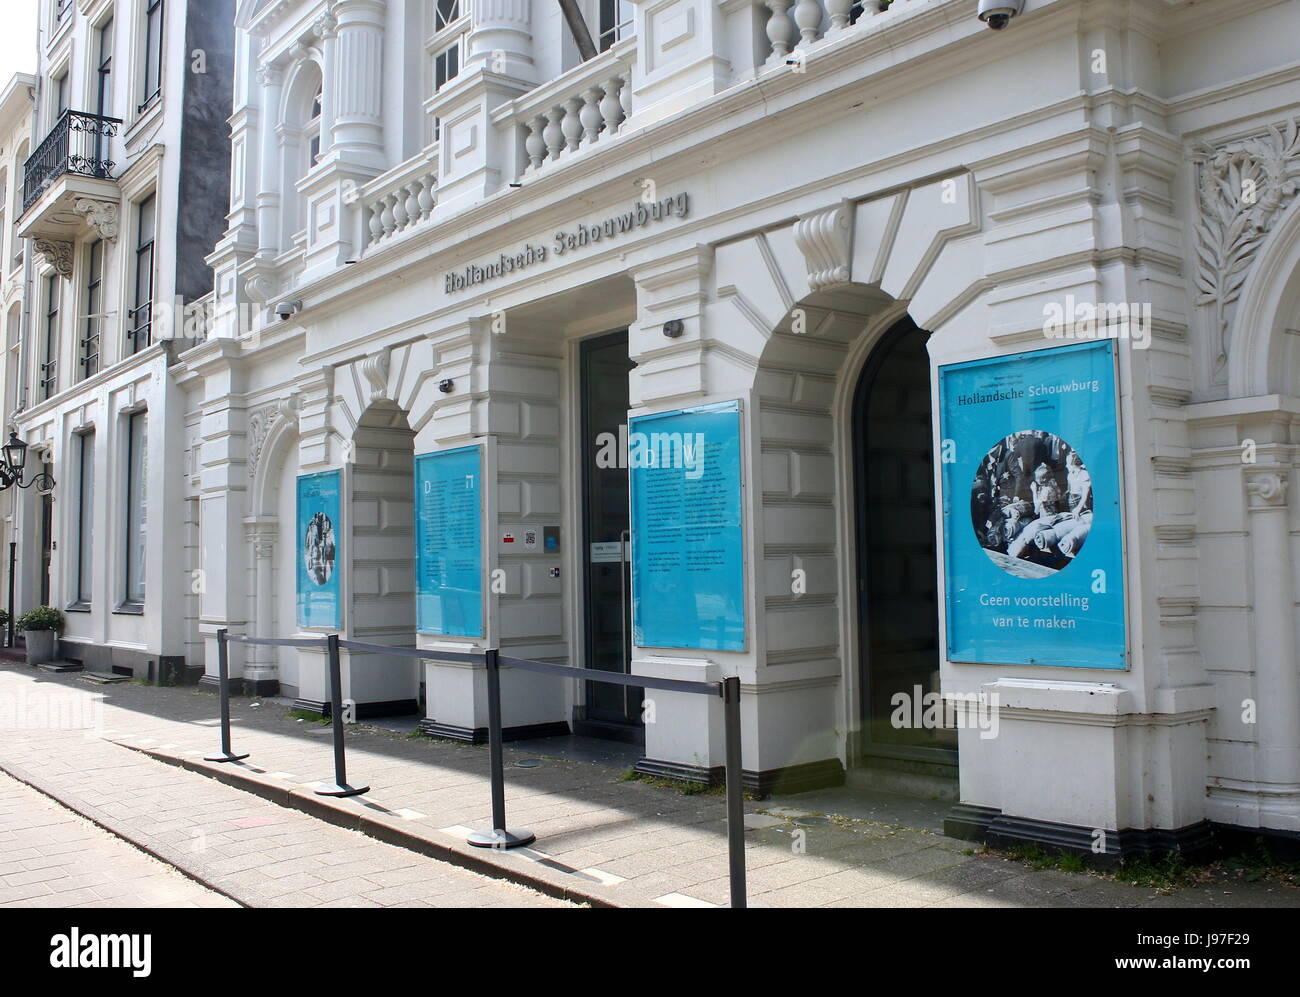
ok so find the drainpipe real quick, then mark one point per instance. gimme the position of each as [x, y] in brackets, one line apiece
[578, 28]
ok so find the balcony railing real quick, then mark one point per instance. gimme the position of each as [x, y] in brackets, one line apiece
[400, 199]
[573, 112]
[78, 143]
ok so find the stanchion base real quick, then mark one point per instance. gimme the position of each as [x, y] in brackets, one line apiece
[223, 756]
[334, 789]
[501, 839]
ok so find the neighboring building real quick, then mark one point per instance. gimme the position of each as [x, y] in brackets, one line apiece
[448, 235]
[16, 105]
[121, 198]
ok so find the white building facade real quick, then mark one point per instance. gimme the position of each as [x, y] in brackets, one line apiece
[450, 234]
[121, 196]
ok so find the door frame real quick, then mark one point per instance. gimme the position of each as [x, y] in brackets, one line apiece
[582, 724]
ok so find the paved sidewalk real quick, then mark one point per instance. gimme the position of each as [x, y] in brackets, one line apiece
[51, 857]
[611, 841]
[252, 850]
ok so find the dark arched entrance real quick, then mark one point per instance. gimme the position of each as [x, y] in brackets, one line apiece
[898, 611]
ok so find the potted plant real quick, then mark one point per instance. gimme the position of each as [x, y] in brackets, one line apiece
[41, 626]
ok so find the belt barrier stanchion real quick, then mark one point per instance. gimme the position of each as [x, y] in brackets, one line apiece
[735, 790]
[223, 681]
[498, 836]
[340, 785]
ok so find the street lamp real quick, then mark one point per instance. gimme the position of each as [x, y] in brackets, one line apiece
[12, 463]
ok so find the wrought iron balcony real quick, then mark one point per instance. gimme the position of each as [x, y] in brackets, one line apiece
[78, 143]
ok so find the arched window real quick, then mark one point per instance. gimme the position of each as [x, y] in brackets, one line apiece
[312, 129]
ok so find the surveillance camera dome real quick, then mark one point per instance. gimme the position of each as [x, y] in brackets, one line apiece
[998, 13]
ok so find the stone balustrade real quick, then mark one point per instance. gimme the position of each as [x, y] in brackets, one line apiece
[589, 104]
[797, 24]
[402, 198]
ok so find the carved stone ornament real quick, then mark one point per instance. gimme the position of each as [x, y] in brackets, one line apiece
[1244, 187]
[375, 370]
[56, 254]
[102, 216]
[260, 424]
[826, 240]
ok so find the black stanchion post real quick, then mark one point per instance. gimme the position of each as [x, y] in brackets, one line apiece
[223, 682]
[340, 785]
[498, 836]
[735, 790]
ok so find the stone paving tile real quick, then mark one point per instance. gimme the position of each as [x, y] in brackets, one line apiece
[585, 816]
[75, 862]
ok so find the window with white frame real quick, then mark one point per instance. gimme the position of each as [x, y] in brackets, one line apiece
[615, 22]
[13, 357]
[151, 71]
[104, 69]
[449, 24]
[137, 468]
[50, 356]
[15, 243]
[140, 317]
[90, 336]
[85, 518]
[61, 85]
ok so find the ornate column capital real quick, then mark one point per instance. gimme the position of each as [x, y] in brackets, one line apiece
[1267, 490]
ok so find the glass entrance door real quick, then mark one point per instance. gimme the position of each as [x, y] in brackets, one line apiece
[611, 710]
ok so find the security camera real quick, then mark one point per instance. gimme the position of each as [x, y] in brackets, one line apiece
[997, 13]
[288, 309]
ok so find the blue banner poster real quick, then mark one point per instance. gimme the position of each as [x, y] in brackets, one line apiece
[688, 572]
[449, 543]
[1033, 536]
[318, 550]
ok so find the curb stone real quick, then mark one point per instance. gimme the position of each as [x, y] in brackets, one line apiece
[357, 814]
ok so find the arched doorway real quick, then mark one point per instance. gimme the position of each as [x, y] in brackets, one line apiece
[902, 729]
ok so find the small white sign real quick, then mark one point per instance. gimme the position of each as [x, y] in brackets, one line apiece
[607, 552]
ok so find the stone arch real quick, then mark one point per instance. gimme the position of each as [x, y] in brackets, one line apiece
[380, 580]
[1263, 360]
[805, 527]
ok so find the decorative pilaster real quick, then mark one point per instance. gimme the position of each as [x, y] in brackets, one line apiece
[262, 663]
[1277, 678]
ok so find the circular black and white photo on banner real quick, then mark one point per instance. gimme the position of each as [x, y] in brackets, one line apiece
[318, 548]
[1031, 503]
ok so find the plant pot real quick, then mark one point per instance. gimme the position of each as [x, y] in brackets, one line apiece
[40, 646]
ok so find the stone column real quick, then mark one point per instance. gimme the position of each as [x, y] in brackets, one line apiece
[1277, 678]
[354, 59]
[271, 80]
[501, 40]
